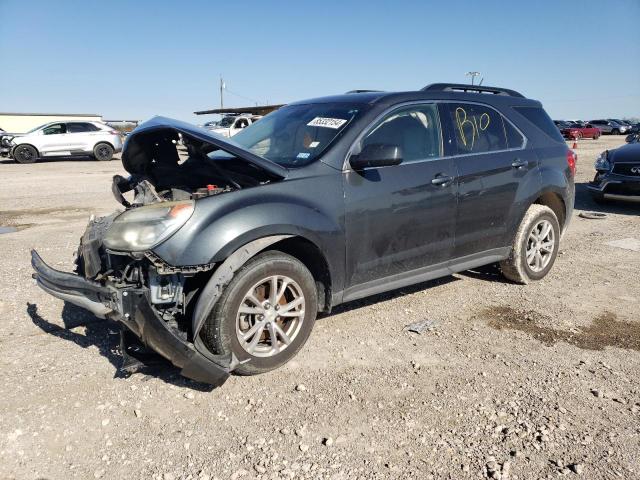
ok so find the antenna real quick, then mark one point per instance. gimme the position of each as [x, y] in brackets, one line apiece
[473, 76]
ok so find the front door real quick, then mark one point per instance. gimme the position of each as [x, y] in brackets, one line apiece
[55, 140]
[400, 219]
[491, 165]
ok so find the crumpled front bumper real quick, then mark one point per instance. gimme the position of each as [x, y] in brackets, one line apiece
[615, 187]
[131, 307]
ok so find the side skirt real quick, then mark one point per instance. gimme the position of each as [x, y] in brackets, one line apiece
[424, 274]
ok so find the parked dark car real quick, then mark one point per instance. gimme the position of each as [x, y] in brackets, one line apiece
[617, 174]
[222, 260]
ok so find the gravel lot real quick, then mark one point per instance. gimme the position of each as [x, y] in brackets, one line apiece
[512, 382]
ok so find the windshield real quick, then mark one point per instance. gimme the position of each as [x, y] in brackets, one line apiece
[297, 135]
[37, 128]
[226, 122]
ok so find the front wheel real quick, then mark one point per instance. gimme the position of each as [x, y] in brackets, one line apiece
[25, 154]
[265, 314]
[103, 152]
[615, 131]
[535, 246]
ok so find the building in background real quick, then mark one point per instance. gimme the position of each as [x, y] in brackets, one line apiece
[23, 122]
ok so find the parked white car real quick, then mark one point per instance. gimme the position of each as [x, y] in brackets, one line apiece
[232, 124]
[61, 139]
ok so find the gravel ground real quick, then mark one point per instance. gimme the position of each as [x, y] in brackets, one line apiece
[511, 381]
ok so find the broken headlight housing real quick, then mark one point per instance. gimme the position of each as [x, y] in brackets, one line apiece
[602, 162]
[143, 228]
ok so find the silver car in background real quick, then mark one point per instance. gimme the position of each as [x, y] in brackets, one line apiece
[611, 127]
[63, 139]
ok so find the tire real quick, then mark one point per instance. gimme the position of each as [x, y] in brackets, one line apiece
[516, 267]
[596, 136]
[25, 154]
[225, 323]
[103, 152]
[615, 131]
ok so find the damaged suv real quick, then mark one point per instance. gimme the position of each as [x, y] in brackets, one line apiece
[223, 256]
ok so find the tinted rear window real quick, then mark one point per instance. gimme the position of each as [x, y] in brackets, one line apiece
[477, 129]
[540, 119]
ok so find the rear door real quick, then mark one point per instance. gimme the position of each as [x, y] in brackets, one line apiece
[491, 162]
[399, 219]
[81, 136]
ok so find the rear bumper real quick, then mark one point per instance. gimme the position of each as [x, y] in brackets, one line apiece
[132, 308]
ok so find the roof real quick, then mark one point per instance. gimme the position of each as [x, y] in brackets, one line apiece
[435, 91]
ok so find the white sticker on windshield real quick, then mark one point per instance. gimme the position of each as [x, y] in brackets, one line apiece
[327, 122]
[303, 155]
[314, 144]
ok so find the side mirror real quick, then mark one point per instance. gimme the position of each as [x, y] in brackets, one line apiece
[377, 155]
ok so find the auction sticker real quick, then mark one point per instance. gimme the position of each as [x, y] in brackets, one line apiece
[327, 122]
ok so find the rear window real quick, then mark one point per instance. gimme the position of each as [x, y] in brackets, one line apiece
[477, 129]
[540, 119]
[79, 127]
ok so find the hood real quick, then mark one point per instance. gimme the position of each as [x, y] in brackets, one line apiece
[627, 153]
[156, 137]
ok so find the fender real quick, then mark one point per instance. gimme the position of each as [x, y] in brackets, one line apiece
[222, 224]
[223, 275]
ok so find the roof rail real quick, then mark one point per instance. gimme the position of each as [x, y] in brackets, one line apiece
[362, 91]
[450, 87]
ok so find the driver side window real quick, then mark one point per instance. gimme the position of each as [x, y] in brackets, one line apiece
[55, 129]
[415, 129]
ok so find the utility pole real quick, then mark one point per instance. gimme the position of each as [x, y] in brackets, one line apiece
[222, 87]
[473, 76]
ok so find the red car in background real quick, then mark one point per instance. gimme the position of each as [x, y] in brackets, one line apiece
[575, 130]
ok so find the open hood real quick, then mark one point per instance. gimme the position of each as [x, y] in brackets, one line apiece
[155, 140]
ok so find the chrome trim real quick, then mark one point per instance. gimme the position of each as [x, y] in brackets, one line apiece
[346, 167]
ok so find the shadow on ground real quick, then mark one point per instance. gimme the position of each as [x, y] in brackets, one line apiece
[400, 292]
[619, 207]
[105, 335]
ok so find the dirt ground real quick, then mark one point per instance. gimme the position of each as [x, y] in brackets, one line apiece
[526, 382]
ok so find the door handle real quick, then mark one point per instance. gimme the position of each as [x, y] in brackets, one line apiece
[517, 163]
[442, 180]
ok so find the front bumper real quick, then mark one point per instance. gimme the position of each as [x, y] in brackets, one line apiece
[131, 307]
[614, 186]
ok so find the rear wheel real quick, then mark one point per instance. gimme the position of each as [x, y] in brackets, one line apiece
[615, 131]
[265, 314]
[535, 246]
[103, 151]
[25, 154]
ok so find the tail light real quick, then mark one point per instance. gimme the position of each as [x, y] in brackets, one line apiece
[572, 158]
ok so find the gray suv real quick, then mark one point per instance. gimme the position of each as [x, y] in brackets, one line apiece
[610, 127]
[223, 257]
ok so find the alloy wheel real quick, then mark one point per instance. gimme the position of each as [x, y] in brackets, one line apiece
[270, 316]
[540, 246]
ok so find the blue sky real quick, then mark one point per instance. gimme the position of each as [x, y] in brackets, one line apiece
[126, 59]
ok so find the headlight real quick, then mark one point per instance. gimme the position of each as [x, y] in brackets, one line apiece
[145, 227]
[602, 162]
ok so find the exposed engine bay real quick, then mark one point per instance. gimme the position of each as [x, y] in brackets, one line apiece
[183, 167]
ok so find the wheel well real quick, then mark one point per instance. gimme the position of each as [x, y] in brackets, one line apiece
[25, 145]
[555, 203]
[105, 142]
[312, 258]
